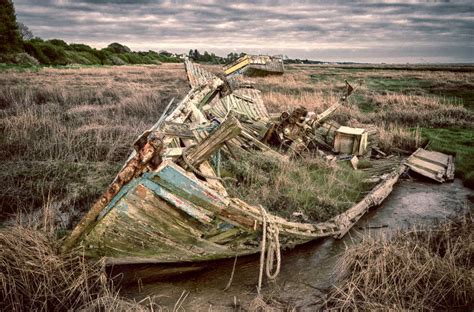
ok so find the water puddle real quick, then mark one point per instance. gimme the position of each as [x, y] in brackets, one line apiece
[306, 270]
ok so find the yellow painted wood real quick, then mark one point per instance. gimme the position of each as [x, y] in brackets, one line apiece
[238, 66]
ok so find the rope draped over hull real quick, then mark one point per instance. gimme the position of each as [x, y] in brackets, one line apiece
[269, 251]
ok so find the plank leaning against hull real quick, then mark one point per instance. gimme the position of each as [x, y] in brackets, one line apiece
[168, 205]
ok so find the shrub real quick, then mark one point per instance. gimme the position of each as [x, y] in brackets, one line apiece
[118, 48]
[34, 49]
[25, 59]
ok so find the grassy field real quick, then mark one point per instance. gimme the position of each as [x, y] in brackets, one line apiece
[65, 132]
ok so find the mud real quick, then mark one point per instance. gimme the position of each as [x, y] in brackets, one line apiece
[307, 271]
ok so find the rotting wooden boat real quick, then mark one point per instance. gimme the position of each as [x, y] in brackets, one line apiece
[167, 204]
[255, 65]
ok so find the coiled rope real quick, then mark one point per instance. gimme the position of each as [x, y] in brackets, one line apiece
[269, 250]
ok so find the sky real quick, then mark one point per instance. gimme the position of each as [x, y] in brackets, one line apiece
[358, 31]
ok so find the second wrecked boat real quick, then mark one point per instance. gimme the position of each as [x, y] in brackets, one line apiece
[255, 65]
[167, 204]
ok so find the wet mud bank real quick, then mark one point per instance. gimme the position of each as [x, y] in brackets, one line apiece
[307, 271]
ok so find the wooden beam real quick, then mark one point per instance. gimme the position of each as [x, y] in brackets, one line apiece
[228, 130]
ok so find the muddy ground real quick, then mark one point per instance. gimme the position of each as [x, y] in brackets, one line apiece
[308, 271]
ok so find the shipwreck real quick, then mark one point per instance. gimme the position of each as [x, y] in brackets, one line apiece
[255, 65]
[169, 202]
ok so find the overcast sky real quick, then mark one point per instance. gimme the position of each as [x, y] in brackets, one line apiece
[362, 31]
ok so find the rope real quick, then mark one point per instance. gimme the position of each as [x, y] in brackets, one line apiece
[232, 275]
[269, 253]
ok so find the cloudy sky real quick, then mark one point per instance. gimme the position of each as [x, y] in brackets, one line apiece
[362, 31]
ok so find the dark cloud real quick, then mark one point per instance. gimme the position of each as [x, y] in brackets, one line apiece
[384, 31]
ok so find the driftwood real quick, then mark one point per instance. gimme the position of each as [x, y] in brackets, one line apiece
[433, 165]
[378, 194]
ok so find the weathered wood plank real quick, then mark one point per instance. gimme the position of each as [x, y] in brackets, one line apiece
[177, 129]
[375, 197]
[149, 154]
[228, 130]
[434, 165]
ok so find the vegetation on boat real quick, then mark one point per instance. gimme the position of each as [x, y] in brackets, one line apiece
[302, 190]
[423, 269]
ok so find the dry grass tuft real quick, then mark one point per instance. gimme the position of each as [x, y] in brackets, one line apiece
[393, 136]
[419, 270]
[34, 276]
[264, 304]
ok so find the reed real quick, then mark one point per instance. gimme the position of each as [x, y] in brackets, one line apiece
[428, 269]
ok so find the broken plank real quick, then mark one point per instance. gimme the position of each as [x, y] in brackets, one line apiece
[228, 130]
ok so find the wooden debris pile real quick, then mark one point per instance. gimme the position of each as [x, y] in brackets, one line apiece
[168, 203]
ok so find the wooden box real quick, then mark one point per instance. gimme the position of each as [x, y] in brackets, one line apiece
[350, 141]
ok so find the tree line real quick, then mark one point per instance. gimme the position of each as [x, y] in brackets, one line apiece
[18, 45]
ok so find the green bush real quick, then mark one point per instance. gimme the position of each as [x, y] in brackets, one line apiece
[25, 59]
[118, 48]
[55, 54]
[59, 43]
[33, 49]
[84, 58]
[58, 52]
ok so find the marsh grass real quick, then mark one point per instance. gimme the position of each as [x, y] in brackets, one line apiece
[422, 269]
[34, 276]
[396, 100]
[303, 188]
[65, 132]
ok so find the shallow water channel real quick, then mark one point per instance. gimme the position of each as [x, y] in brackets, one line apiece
[306, 271]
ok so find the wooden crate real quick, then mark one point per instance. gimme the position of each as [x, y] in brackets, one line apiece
[350, 141]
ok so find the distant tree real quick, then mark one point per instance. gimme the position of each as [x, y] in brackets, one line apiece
[165, 53]
[10, 40]
[59, 43]
[25, 32]
[206, 57]
[233, 56]
[196, 55]
[118, 48]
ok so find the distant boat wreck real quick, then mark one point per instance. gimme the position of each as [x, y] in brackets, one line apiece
[255, 65]
[168, 203]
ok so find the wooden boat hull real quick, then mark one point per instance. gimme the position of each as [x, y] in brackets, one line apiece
[166, 205]
[167, 216]
[255, 65]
